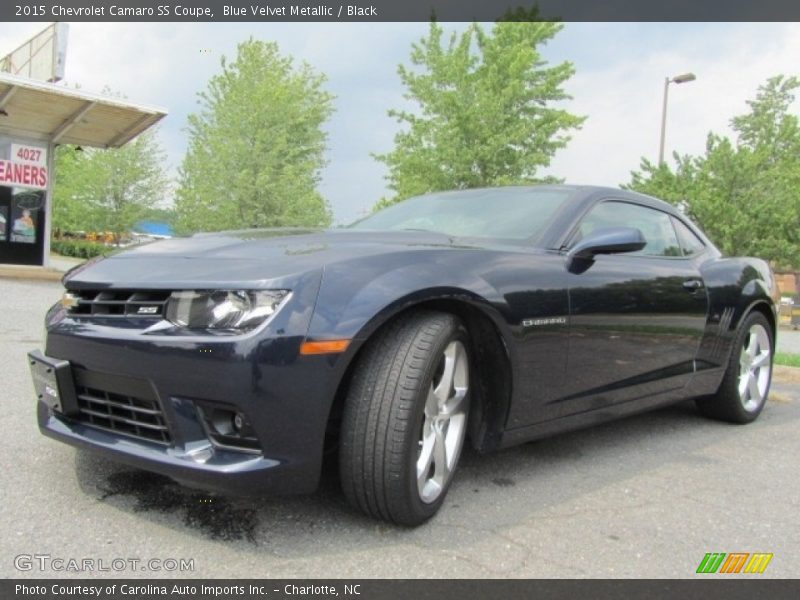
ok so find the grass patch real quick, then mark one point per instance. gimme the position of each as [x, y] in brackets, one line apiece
[786, 359]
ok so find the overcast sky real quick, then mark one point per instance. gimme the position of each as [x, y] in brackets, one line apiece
[618, 84]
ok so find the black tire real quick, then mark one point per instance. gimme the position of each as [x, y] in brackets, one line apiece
[728, 403]
[386, 416]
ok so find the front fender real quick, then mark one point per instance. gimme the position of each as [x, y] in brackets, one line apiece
[355, 299]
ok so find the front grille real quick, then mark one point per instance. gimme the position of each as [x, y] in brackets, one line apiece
[119, 303]
[125, 406]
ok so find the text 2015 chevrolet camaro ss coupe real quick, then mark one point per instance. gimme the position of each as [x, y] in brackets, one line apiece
[234, 361]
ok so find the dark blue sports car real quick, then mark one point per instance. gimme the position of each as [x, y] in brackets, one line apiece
[234, 361]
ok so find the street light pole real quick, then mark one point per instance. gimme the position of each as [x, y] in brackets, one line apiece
[663, 122]
[686, 77]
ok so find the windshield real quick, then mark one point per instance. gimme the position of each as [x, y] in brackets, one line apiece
[513, 213]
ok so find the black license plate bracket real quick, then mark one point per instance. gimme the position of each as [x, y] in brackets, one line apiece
[53, 382]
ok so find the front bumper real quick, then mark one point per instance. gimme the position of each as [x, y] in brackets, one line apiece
[285, 396]
[287, 406]
[200, 465]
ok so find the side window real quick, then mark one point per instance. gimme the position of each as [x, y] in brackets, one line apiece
[654, 224]
[690, 243]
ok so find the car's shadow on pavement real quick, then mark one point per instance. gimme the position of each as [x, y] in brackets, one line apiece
[490, 492]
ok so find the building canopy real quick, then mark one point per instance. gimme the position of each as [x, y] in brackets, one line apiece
[60, 115]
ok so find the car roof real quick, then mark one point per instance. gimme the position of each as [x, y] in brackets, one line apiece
[580, 195]
[580, 199]
[596, 192]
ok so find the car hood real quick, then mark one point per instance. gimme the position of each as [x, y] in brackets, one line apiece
[253, 257]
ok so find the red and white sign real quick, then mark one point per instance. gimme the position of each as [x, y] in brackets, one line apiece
[27, 167]
[34, 155]
[23, 175]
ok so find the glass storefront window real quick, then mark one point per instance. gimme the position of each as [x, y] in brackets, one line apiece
[23, 183]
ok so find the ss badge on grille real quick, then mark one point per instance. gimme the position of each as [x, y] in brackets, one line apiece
[147, 310]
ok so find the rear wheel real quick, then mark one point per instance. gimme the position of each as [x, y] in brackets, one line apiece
[405, 418]
[745, 386]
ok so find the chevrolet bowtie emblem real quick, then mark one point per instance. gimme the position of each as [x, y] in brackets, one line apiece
[69, 300]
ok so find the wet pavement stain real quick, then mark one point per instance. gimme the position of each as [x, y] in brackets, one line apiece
[214, 516]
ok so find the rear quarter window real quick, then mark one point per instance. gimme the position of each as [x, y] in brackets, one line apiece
[688, 240]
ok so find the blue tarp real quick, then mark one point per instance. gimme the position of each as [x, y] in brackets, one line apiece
[153, 228]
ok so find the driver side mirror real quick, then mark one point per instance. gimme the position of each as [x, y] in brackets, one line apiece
[606, 240]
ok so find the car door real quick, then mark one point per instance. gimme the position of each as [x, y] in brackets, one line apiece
[636, 319]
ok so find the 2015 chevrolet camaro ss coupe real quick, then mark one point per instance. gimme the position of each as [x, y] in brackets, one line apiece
[235, 361]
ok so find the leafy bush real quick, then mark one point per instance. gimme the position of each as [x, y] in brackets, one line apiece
[78, 248]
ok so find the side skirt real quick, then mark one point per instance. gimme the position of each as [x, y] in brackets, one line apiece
[589, 418]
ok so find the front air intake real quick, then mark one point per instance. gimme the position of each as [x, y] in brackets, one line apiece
[125, 406]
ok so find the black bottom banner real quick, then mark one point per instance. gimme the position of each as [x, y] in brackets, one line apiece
[386, 589]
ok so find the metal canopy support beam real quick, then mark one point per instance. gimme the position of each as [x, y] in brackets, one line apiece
[6, 96]
[71, 121]
[125, 136]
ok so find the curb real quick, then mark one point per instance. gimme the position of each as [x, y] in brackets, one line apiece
[26, 272]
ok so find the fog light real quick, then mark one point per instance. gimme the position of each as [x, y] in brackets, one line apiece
[241, 426]
[228, 428]
[238, 421]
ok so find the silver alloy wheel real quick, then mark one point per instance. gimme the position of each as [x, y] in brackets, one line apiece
[444, 424]
[755, 365]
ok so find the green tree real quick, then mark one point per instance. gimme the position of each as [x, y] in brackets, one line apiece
[256, 147]
[70, 207]
[108, 190]
[743, 193]
[485, 110]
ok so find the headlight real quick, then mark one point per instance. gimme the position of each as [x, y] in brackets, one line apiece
[220, 309]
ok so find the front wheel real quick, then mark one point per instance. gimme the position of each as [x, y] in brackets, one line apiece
[745, 386]
[405, 418]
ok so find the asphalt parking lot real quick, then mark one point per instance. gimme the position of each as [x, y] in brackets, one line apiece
[644, 497]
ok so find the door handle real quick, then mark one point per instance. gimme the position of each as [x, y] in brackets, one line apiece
[692, 284]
